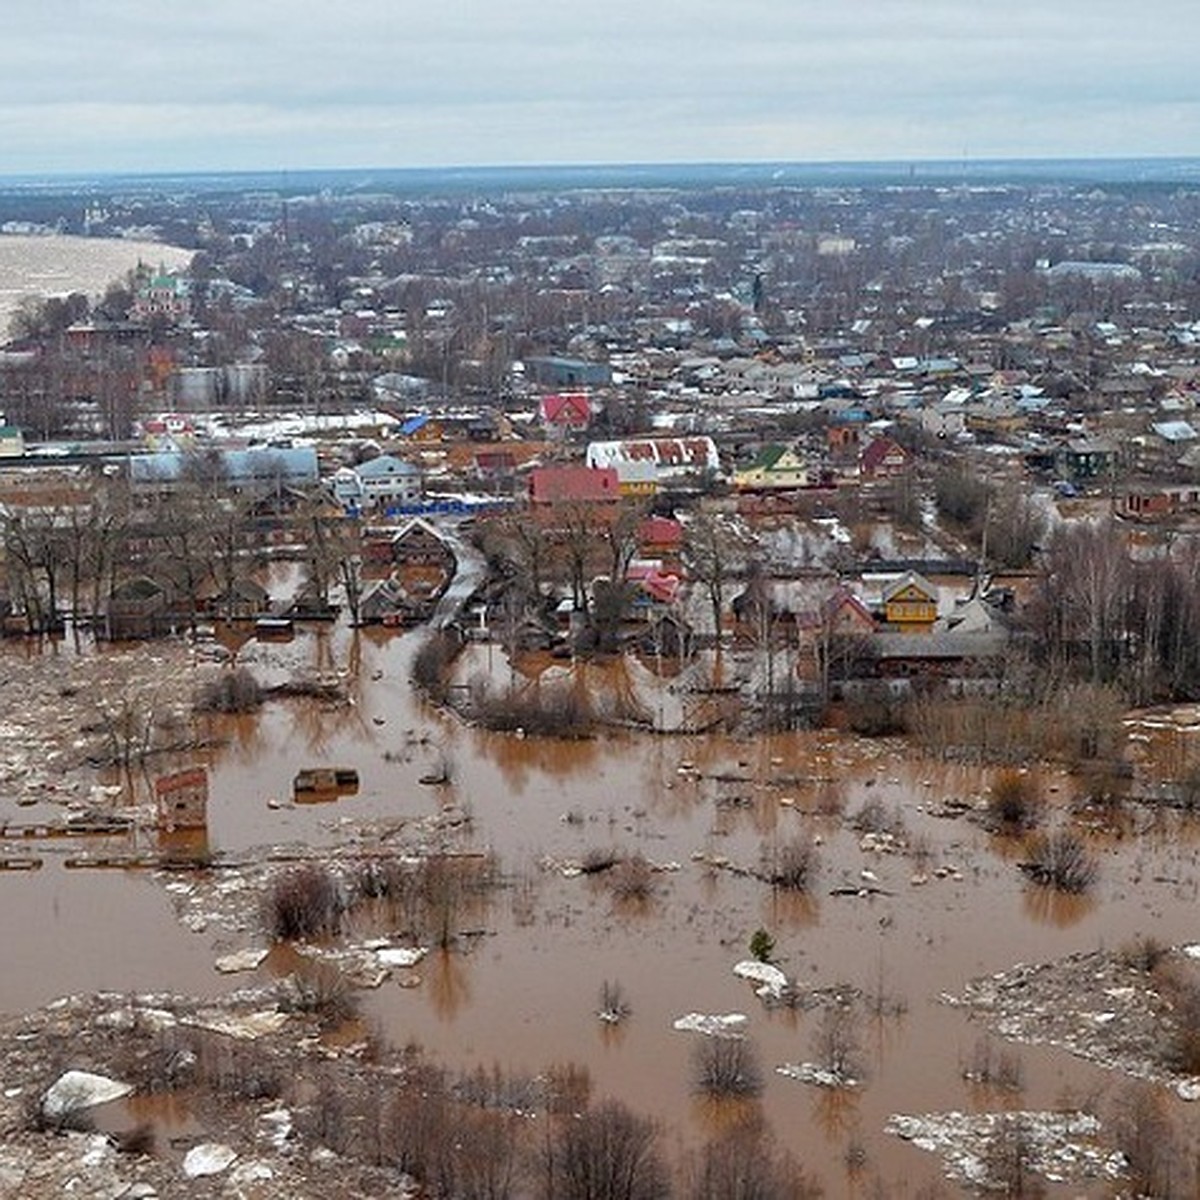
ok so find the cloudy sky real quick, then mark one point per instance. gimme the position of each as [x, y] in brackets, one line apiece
[90, 85]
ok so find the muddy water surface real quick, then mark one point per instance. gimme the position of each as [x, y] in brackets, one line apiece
[524, 993]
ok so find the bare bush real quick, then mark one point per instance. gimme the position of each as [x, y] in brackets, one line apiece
[305, 902]
[606, 1153]
[1061, 861]
[837, 1045]
[726, 1067]
[566, 1088]
[323, 992]
[236, 1070]
[430, 899]
[554, 711]
[793, 865]
[1009, 1156]
[1014, 803]
[992, 1068]
[1144, 953]
[632, 880]
[877, 716]
[1180, 989]
[614, 1005]
[432, 662]
[235, 691]
[377, 879]
[875, 817]
[1144, 1134]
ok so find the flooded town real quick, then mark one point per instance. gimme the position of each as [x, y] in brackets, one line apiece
[675, 682]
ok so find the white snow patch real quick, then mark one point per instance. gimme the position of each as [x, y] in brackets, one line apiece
[399, 956]
[249, 959]
[209, 1158]
[74, 1091]
[728, 1025]
[816, 1075]
[771, 978]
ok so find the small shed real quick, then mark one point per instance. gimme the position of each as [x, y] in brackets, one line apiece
[182, 799]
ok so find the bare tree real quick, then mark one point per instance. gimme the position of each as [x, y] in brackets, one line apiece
[605, 1153]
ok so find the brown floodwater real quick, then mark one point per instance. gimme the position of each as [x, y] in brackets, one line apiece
[524, 993]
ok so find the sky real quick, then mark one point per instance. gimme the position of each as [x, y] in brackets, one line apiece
[213, 85]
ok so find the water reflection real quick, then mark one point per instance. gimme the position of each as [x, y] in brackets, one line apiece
[718, 1115]
[836, 1111]
[790, 911]
[613, 1034]
[184, 847]
[448, 983]
[1048, 906]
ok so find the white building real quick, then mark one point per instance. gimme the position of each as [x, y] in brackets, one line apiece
[378, 483]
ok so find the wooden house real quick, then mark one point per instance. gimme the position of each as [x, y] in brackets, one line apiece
[910, 603]
[137, 608]
[418, 542]
[883, 458]
[775, 468]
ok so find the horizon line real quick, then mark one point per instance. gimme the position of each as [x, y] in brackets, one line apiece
[962, 164]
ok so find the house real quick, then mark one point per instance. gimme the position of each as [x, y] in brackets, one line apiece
[845, 615]
[379, 483]
[1087, 458]
[590, 485]
[562, 412]
[883, 458]
[776, 468]
[244, 599]
[842, 438]
[386, 603]
[551, 371]
[418, 542]
[979, 615]
[655, 587]
[1151, 501]
[941, 655]
[160, 294]
[666, 459]
[496, 467]
[181, 800]
[910, 603]
[12, 441]
[137, 608]
[660, 537]
[259, 469]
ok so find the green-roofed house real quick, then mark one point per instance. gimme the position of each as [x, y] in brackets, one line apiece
[12, 442]
[776, 468]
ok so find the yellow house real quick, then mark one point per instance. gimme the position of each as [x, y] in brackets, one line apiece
[910, 603]
[776, 468]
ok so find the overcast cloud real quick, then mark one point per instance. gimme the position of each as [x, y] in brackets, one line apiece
[91, 85]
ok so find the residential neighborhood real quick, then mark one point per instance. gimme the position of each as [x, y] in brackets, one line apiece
[828, 380]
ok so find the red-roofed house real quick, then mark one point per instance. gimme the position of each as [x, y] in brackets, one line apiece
[564, 411]
[591, 485]
[655, 586]
[844, 614]
[660, 537]
[883, 458]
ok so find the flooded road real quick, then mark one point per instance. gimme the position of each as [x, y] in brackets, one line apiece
[903, 928]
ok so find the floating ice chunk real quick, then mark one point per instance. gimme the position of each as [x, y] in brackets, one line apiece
[728, 1025]
[771, 978]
